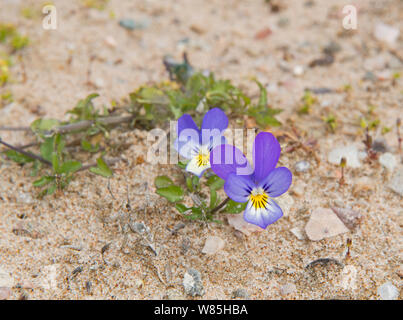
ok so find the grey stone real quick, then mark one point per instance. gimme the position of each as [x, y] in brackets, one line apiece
[380, 145]
[240, 293]
[130, 24]
[331, 48]
[192, 283]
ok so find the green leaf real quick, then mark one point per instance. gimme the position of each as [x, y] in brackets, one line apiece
[234, 207]
[197, 214]
[43, 181]
[87, 146]
[163, 181]
[263, 95]
[51, 189]
[182, 165]
[35, 168]
[70, 167]
[84, 110]
[171, 193]
[46, 149]
[181, 207]
[55, 162]
[213, 198]
[102, 169]
[215, 182]
[18, 157]
[42, 125]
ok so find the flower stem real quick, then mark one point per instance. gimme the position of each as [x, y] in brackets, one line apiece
[26, 153]
[221, 205]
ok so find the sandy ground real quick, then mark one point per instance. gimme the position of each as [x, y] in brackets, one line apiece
[60, 255]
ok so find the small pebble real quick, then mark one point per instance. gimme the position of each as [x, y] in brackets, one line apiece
[130, 24]
[111, 42]
[396, 184]
[388, 291]
[349, 278]
[287, 289]
[302, 166]
[192, 283]
[298, 233]
[380, 145]
[238, 222]
[350, 218]
[5, 293]
[323, 223]
[213, 244]
[331, 48]
[240, 293]
[5, 279]
[386, 33]
[298, 70]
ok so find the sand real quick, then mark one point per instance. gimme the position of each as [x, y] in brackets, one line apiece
[51, 248]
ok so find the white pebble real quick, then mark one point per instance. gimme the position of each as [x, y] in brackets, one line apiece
[388, 160]
[386, 33]
[388, 291]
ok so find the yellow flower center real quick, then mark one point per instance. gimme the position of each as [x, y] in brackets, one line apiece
[203, 159]
[259, 198]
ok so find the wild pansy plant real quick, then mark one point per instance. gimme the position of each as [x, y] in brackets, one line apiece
[249, 190]
[257, 186]
[195, 144]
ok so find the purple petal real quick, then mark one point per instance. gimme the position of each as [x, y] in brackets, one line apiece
[262, 217]
[238, 188]
[226, 159]
[215, 119]
[186, 122]
[277, 182]
[266, 152]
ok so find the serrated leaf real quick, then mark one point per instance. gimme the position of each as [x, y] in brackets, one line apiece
[163, 181]
[171, 193]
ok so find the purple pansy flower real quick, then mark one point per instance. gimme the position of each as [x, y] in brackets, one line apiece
[195, 144]
[256, 186]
